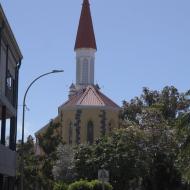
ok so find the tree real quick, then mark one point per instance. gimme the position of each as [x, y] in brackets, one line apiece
[31, 163]
[134, 158]
[167, 108]
[183, 138]
[38, 169]
[62, 169]
[149, 152]
[121, 152]
[145, 153]
[49, 141]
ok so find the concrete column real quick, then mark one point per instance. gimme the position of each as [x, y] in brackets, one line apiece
[1, 181]
[11, 182]
[12, 139]
[16, 100]
[3, 125]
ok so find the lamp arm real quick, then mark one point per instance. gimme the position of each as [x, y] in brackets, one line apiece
[24, 100]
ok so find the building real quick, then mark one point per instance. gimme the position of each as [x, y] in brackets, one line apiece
[88, 113]
[10, 61]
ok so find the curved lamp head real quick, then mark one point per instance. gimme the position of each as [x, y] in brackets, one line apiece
[57, 71]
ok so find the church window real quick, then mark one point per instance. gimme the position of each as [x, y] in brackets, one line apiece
[78, 70]
[70, 133]
[85, 71]
[90, 132]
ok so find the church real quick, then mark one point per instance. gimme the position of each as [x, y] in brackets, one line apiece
[88, 113]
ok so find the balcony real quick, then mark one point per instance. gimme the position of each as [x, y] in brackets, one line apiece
[7, 161]
[11, 111]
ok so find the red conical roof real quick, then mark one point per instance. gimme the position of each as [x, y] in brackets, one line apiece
[85, 35]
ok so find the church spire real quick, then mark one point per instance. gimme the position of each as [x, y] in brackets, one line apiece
[85, 35]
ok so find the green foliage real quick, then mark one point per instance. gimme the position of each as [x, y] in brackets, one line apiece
[168, 101]
[123, 151]
[62, 169]
[150, 151]
[31, 163]
[38, 169]
[50, 139]
[166, 115]
[80, 185]
[183, 138]
[130, 110]
[97, 185]
[60, 186]
[86, 185]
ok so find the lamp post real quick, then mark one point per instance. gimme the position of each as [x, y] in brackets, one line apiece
[23, 121]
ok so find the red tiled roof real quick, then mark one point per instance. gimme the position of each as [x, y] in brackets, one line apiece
[85, 35]
[90, 96]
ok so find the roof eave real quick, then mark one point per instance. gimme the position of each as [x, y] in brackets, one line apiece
[11, 34]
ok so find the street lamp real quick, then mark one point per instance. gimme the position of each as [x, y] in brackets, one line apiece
[23, 120]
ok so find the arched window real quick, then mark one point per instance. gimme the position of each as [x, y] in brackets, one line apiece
[78, 71]
[70, 132]
[85, 71]
[90, 132]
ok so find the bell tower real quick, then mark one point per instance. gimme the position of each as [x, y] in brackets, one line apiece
[85, 48]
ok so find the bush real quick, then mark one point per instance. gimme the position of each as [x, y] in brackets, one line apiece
[85, 185]
[60, 186]
[80, 185]
[97, 185]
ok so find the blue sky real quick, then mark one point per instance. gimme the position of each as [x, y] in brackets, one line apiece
[140, 43]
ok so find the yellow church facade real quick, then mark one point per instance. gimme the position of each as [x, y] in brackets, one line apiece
[85, 117]
[87, 114]
[90, 125]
